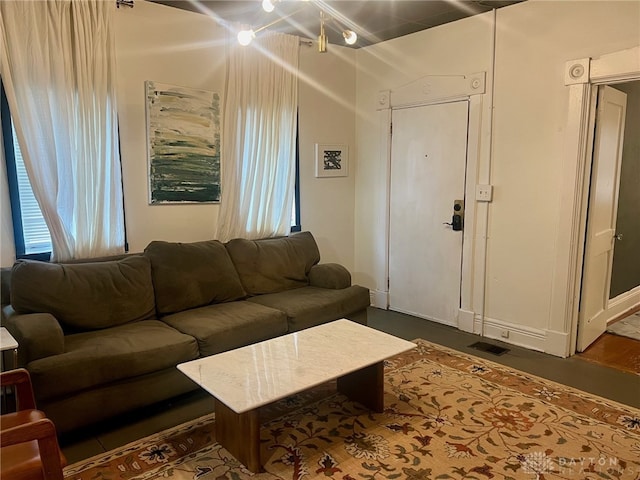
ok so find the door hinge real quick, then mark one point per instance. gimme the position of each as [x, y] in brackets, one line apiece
[391, 129]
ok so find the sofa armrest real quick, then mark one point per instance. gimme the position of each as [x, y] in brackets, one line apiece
[38, 335]
[329, 275]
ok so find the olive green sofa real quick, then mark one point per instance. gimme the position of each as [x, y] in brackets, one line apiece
[103, 337]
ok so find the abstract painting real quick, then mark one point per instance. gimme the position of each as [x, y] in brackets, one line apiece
[183, 131]
[332, 160]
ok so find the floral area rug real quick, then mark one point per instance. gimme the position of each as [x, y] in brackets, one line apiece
[447, 415]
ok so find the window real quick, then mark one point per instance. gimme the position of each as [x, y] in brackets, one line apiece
[30, 231]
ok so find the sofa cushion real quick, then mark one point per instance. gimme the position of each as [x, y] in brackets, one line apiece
[229, 325]
[273, 265]
[309, 306]
[98, 358]
[85, 296]
[190, 275]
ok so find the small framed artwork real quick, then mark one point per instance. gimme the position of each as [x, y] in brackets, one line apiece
[332, 160]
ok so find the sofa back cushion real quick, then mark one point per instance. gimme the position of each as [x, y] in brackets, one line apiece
[190, 275]
[272, 265]
[85, 296]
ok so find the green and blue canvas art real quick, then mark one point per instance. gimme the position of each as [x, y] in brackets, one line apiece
[183, 129]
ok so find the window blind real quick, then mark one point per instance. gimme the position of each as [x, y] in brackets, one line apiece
[36, 234]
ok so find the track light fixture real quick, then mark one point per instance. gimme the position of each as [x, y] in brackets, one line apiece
[268, 6]
[322, 38]
[350, 37]
[247, 34]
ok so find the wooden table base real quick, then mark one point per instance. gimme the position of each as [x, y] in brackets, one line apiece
[365, 386]
[239, 433]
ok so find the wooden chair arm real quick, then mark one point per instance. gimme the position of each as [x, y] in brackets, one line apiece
[20, 379]
[26, 432]
[44, 432]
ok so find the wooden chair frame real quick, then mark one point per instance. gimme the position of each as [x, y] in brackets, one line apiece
[42, 430]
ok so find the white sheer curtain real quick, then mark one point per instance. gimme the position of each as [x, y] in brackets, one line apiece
[57, 61]
[259, 138]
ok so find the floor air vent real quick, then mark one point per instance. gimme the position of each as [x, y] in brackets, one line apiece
[487, 347]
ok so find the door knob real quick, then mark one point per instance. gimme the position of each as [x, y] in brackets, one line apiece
[457, 220]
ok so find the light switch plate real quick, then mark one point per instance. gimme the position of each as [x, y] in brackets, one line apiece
[484, 193]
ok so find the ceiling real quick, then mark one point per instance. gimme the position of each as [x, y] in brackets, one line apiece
[373, 20]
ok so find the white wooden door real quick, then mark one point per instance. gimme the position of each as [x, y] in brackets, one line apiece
[601, 221]
[428, 162]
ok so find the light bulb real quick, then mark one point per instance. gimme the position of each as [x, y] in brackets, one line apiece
[350, 37]
[245, 37]
[268, 6]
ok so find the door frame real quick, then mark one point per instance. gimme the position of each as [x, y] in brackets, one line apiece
[582, 77]
[430, 90]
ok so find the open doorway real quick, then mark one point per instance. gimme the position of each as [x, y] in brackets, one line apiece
[583, 77]
[595, 306]
[625, 275]
[611, 336]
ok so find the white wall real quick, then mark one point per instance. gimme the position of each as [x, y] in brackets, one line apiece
[327, 99]
[169, 45]
[454, 49]
[166, 45]
[534, 39]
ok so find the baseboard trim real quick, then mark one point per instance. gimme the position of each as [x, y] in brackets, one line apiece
[466, 320]
[379, 299]
[531, 338]
[541, 340]
[557, 343]
[624, 304]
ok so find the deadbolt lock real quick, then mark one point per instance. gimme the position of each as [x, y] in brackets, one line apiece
[457, 220]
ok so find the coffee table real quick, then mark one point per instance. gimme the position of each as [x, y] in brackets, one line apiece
[7, 342]
[245, 379]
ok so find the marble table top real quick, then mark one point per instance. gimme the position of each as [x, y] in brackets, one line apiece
[7, 342]
[258, 374]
